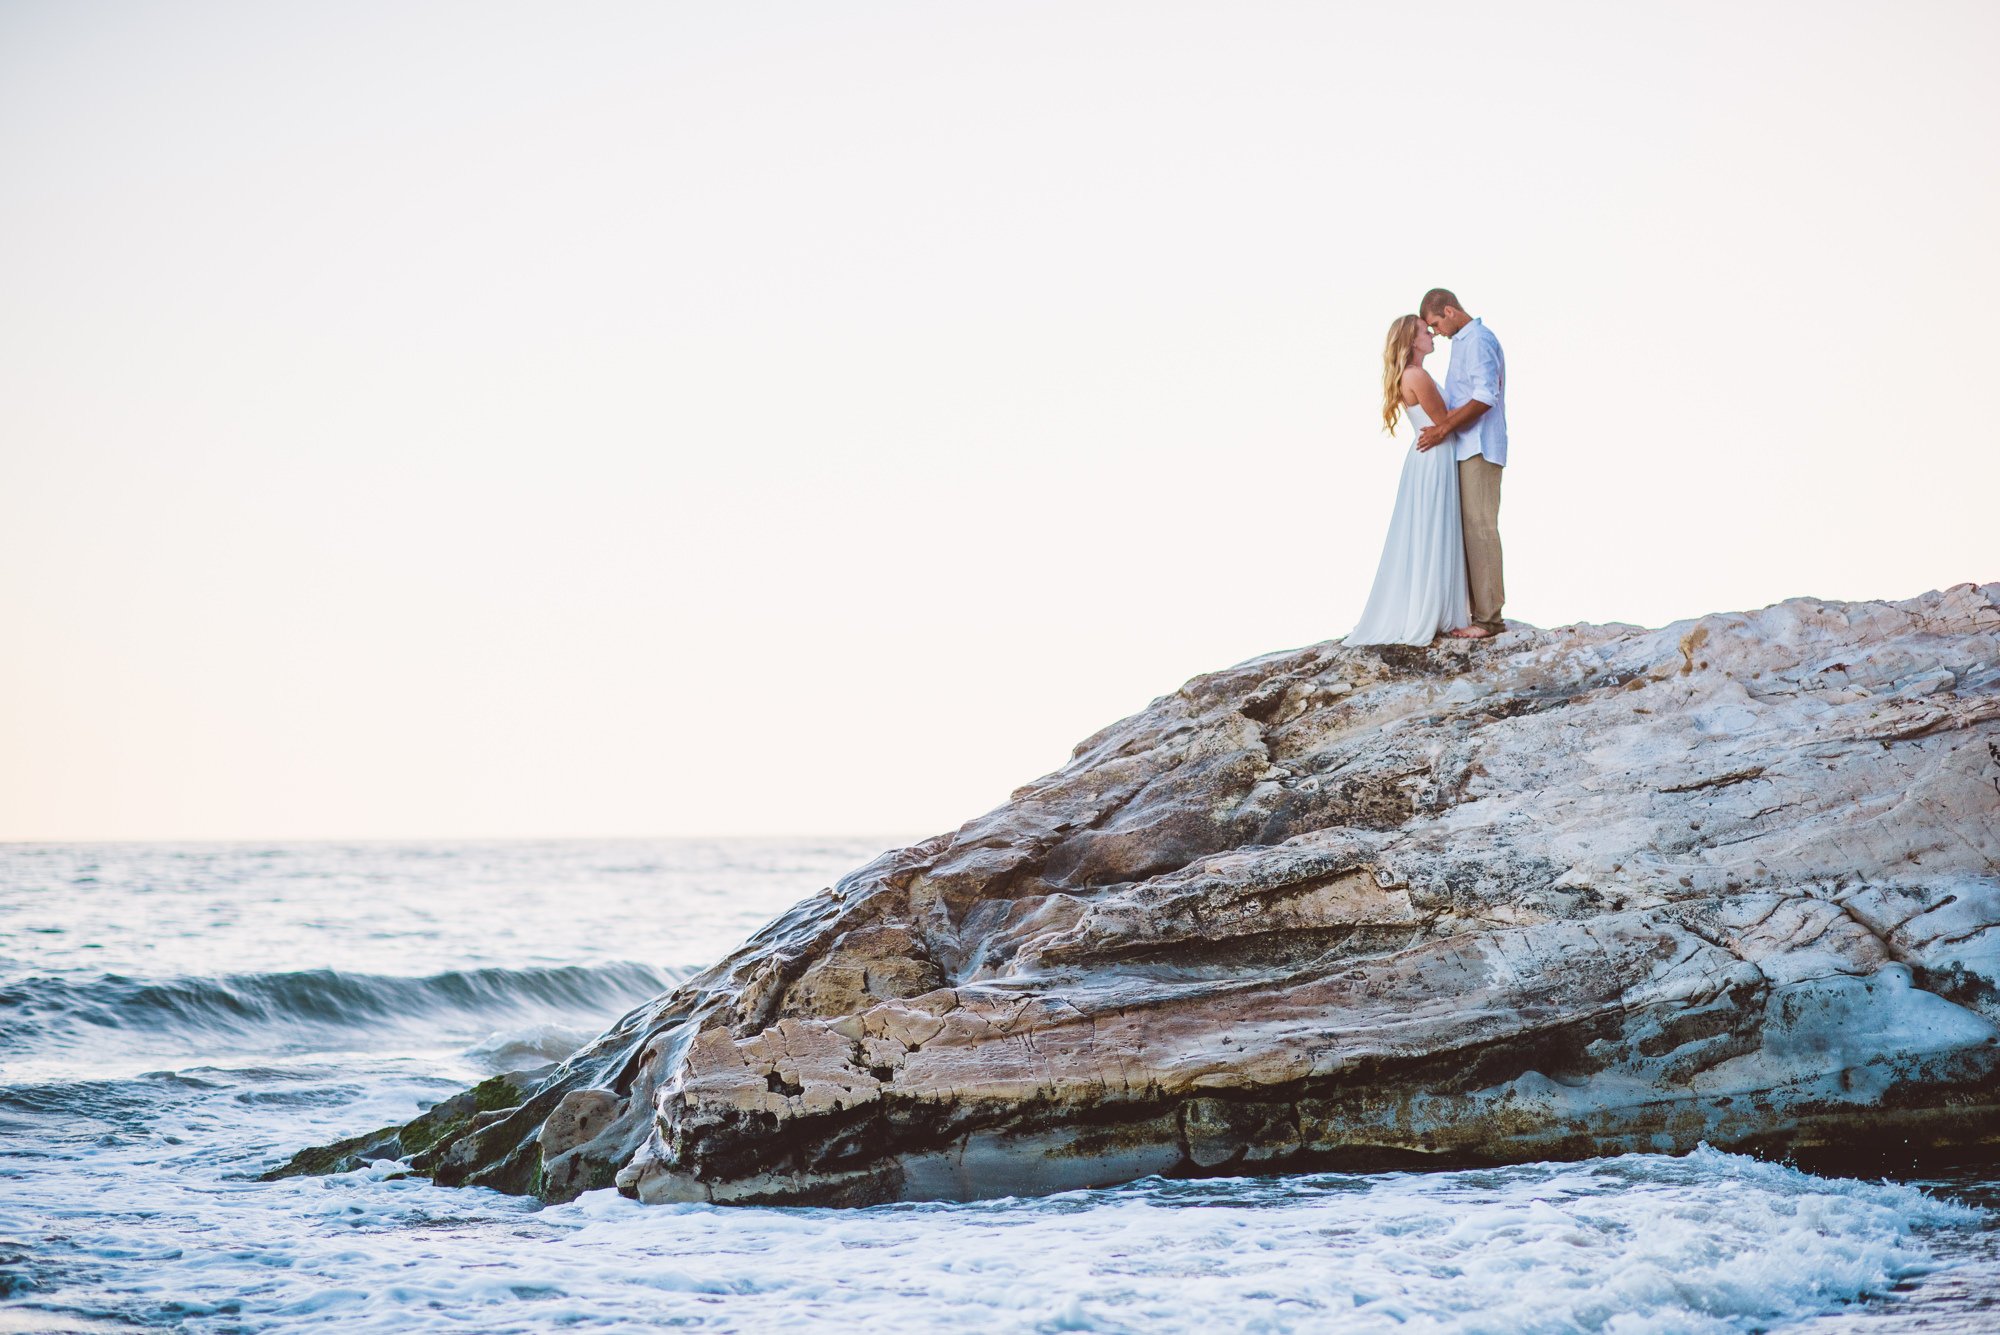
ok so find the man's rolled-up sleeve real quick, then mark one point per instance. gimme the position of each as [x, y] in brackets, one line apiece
[1482, 379]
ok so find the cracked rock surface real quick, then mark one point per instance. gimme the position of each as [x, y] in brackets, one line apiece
[1564, 893]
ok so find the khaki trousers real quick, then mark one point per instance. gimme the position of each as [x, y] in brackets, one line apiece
[1479, 512]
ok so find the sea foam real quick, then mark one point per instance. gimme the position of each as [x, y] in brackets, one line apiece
[1709, 1242]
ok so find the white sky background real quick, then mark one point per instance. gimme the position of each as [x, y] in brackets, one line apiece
[429, 420]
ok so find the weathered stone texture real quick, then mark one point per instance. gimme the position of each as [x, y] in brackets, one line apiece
[1567, 892]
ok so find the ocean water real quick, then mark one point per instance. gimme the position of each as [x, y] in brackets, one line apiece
[175, 1019]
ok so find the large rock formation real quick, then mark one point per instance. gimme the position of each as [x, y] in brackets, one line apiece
[1565, 893]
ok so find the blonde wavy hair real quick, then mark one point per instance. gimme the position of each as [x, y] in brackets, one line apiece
[1395, 361]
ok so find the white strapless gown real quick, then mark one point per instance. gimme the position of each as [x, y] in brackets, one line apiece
[1420, 586]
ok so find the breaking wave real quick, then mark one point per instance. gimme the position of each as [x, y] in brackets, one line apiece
[38, 1013]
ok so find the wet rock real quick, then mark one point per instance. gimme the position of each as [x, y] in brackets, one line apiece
[439, 1124]
[1564, 893]
[568, 1168]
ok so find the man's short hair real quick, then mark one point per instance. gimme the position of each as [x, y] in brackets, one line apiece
[1436, 300]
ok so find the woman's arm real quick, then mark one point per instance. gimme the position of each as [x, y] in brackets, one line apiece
[1418, 381]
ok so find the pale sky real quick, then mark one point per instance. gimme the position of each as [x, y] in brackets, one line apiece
[482, 419]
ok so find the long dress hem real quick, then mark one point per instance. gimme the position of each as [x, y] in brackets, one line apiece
[1420, 583]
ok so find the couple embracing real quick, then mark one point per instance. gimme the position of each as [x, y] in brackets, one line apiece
[1440, 569]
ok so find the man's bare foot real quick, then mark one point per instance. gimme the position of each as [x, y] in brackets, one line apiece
[1470, 633]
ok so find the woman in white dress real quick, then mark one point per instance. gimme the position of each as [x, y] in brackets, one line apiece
[1420, 587]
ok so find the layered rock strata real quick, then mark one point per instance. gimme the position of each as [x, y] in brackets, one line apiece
[1564, 893]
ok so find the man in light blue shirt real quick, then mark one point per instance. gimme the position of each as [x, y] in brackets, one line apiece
[1475, 391]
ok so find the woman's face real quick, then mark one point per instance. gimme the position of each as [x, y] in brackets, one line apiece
[1423, 342]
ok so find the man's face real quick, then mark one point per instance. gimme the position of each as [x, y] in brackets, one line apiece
[1446, 322]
